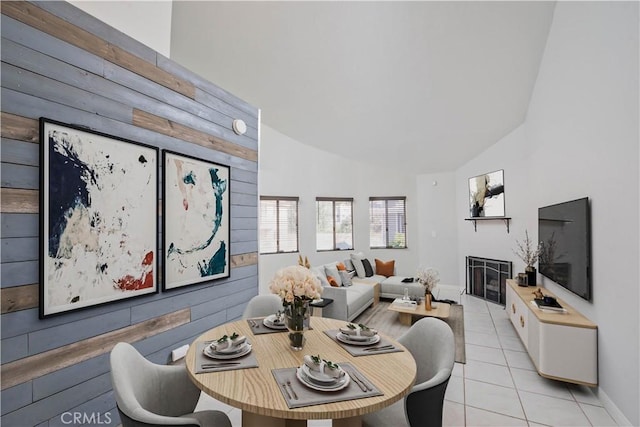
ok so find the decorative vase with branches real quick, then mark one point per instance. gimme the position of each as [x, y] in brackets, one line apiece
[529, 253]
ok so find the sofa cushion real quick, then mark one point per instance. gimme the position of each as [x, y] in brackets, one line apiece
[320, 275]
[394, 286]
[357, 297]
[346, 278]
[356, 259]
[341, 267]
[349, 265]
[332, 281]
[332, 270]
[369, 280]
[368, 270]
[385, 268]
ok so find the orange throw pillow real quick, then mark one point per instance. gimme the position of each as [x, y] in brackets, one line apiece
[385, 268]
[332, 281]
[341, 267]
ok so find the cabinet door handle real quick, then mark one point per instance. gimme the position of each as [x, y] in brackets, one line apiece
[522, 321]
[513, 308]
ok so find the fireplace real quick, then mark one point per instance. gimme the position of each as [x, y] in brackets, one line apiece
[487, 278]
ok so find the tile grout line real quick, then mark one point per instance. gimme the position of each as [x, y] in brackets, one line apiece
[526, 418]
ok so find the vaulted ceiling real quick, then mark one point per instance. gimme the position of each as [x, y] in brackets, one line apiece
[425, 86]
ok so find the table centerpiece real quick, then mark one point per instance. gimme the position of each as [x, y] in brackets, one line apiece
[297, 287]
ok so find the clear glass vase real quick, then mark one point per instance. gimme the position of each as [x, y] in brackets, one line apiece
[297, 320]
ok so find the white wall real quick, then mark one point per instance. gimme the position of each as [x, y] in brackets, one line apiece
[291, 168]
[149, 22]
[438, 232]
[491, 240]
[580, 138]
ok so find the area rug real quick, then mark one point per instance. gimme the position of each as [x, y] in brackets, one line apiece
[387, 322]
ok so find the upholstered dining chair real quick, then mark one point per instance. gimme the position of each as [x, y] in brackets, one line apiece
[156, 395]
[432, 345]
[262, 305]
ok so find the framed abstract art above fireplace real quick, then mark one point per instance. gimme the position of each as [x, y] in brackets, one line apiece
[486, 195]
[196, 229]
[98, 218]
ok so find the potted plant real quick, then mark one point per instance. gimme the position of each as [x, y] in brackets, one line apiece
[529, 254]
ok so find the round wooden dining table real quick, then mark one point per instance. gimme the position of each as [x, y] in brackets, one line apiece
[256, 392]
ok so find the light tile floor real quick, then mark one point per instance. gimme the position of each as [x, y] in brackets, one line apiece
[498, 386]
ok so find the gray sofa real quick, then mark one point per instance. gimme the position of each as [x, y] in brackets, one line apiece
[355, 294]
[348, 302]
[349, 299]
[393, 286]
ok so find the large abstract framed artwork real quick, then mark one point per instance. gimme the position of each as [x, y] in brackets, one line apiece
[196, 229]
[98, 218]
[486, 195]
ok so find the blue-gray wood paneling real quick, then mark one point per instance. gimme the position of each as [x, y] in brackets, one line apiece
[19, 225]
[20, 152]
[18, 273]
[15, 397]
[14, 348]
[43, 76]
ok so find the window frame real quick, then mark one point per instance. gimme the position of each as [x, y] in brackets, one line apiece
[388, 239]
[333, 221]
[278, 199]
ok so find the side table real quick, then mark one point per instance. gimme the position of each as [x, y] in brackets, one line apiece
[317, 306]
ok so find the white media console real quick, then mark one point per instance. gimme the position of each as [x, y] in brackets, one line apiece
[562, 346]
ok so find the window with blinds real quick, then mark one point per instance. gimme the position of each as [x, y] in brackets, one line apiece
[278, 224]
[334, 224]
[387, 222]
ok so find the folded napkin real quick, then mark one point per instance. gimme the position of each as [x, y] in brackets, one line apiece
[228, 343]
[359, 330]
[276, 319]
[315, 363]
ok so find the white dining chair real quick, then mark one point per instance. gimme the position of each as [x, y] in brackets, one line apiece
[432, 345]
[262, 306]
[148, 394]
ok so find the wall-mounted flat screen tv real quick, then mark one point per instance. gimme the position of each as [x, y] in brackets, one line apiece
[564, 232]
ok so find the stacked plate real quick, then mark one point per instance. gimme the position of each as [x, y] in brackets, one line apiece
[357, 339]
[320, 381]
[228, 353]
[273, 322]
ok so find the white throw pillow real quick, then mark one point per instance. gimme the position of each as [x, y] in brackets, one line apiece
[356, 259]
[346, 278]
[320, 275]
[332, 270]
[348, 265]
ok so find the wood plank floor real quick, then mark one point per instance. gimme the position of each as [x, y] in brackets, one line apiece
[386, 321]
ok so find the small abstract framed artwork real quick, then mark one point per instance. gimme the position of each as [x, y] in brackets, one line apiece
[486, 195]
[196, 229]
[98, 218]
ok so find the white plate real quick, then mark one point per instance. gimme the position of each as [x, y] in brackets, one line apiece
[345, 339]
[334, 387]
[228, 350]
[268, 322]
[357, 337]
[245, 349]
[320, 377]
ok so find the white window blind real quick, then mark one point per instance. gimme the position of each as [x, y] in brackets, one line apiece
[387, 222]
[334, 223]
[278, 224]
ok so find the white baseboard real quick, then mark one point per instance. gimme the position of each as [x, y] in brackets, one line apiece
[612, 409]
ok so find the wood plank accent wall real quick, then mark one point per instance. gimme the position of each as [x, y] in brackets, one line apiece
[61, 63]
